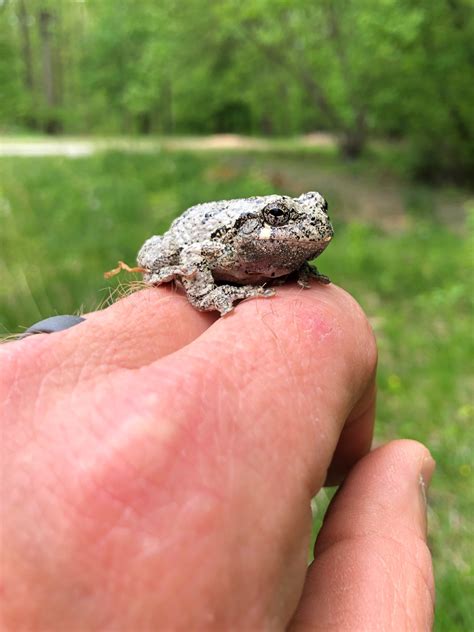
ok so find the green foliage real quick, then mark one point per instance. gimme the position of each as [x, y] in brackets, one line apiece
[358, 68]
[13, 99]
[66, 221]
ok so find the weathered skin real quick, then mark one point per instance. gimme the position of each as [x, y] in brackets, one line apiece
[244, 242]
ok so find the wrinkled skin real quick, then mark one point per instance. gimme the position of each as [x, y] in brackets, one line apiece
[248, 241]
[159, 462]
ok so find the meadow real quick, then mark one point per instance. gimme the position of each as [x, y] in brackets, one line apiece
[404, 250]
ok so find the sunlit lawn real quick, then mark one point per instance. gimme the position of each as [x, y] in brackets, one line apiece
[404, 251]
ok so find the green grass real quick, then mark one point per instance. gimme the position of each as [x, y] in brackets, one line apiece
[403, 250]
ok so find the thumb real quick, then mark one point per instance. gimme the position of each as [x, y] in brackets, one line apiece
[372, 568]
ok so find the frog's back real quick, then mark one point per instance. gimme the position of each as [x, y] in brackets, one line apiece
[199, 222]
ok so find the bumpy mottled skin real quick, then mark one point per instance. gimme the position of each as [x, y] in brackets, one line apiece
[223, 252]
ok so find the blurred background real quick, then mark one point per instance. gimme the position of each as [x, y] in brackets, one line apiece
[116, 115]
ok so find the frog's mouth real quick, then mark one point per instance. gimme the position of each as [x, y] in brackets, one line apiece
[303, 240]
[299, 247]
[280, 234]
[322, 244]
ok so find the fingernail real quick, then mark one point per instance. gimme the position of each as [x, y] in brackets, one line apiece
[426, 474]
[52, 325]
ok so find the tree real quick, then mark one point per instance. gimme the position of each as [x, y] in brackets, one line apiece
[28, 74]
[357, 68]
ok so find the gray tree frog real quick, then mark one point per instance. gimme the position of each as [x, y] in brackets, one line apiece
[223, 252]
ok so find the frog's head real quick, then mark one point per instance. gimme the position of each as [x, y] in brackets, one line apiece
[304, 219]
[301, 223]
[275, 234]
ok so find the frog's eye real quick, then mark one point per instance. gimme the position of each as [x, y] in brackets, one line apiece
[276, 214]
[325, 206]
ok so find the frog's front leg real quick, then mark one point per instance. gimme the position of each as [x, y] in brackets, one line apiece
[203, 292]
[307, 272]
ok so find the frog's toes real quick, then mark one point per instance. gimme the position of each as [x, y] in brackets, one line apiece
[322, 278]
[304, 283]
[222, 298]
[308, 272]
[319, 278]
[266, 291]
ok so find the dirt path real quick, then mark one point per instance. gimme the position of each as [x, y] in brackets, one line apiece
[383, 199]
[77, 147]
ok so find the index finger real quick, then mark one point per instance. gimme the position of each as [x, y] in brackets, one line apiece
[130, 333]
[241, 426]
[290, 371]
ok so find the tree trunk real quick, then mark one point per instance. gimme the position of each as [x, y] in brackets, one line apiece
[58, 59]
[51, 123]
[144, 123]
[351, 145]
[266, 125]
[352, 142]
[166, 109]
[28, 75]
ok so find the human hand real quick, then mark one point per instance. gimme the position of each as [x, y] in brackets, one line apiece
[158, 466]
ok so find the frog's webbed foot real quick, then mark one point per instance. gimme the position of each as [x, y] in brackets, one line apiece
[205, 295]
[307, 272]
[202, 290]
[222, 297]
